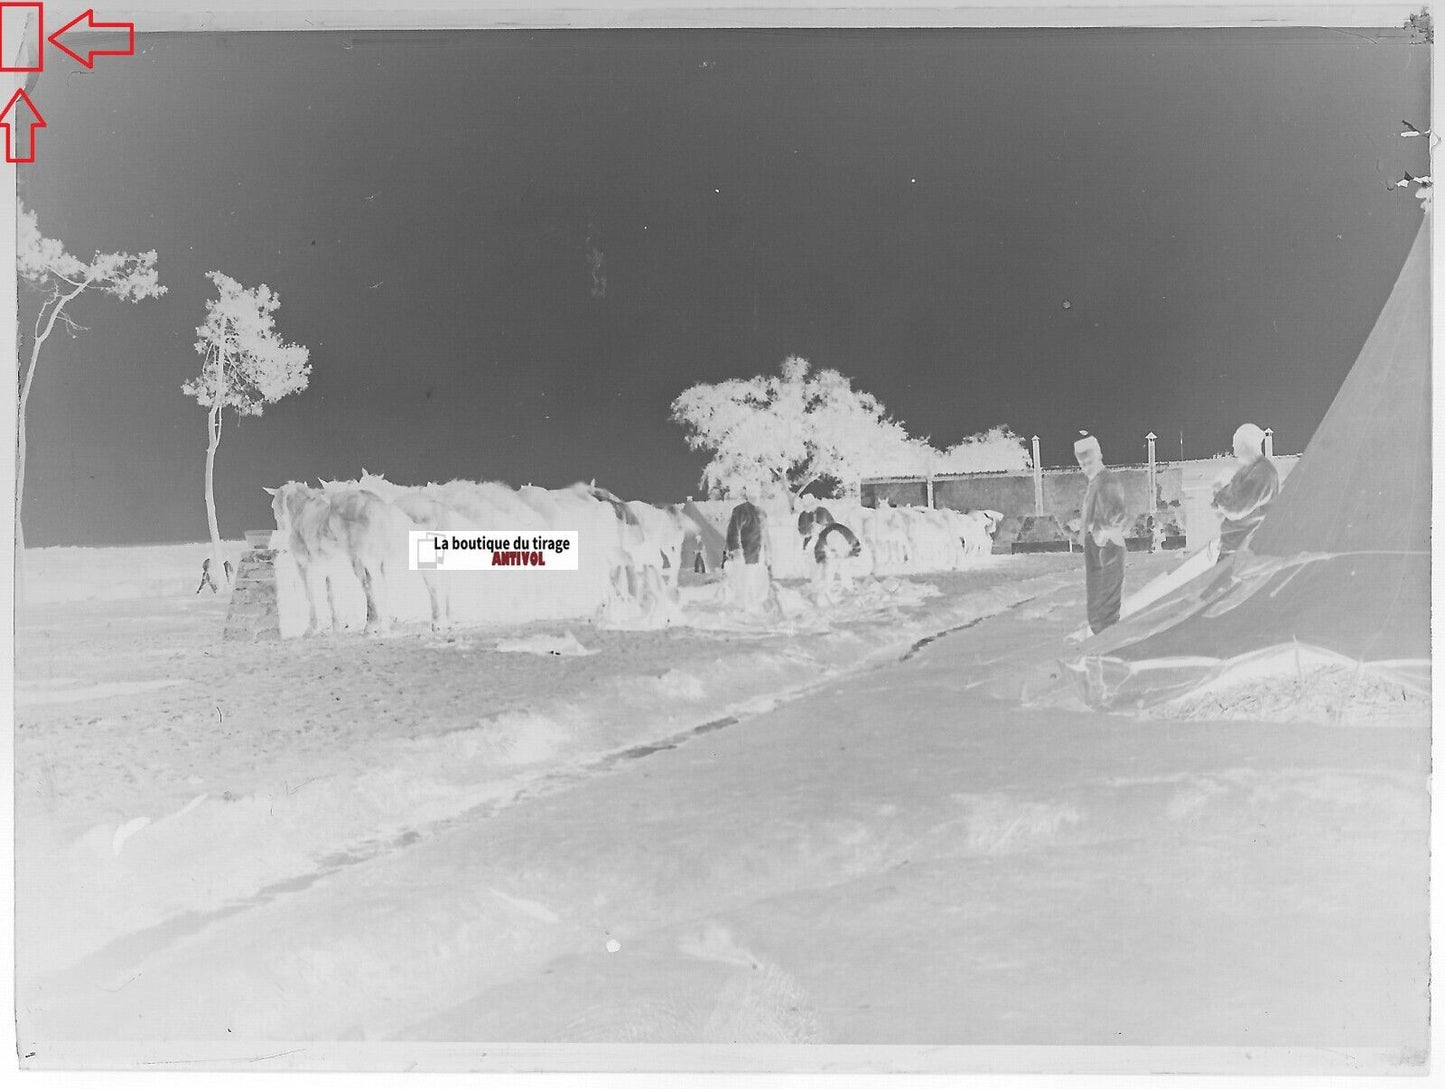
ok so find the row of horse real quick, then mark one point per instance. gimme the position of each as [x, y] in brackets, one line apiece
[926, 539]
[345, 533]
[344, 550]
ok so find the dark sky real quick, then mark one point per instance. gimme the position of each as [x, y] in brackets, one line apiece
[912, 208]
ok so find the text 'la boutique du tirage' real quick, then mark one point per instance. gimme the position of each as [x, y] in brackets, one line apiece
[554, 550]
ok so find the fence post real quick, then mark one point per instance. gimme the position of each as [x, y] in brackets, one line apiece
[928, 490]
[1038, 481]
[1153, 475]
[1269, 442]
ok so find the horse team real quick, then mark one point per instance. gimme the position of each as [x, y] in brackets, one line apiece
[631, 550]
[630, 557]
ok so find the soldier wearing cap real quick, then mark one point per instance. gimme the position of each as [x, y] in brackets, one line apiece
[1103, 522]
[1244, 501]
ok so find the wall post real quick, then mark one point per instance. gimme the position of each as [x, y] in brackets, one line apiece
[1153, 475]
[1038, 481]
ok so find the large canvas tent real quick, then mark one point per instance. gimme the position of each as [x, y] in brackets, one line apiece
[1339, 571]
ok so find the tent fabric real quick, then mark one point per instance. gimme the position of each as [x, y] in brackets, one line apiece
[1369, 608]
[1340, 566]
[1172, 678]
[1363, 483]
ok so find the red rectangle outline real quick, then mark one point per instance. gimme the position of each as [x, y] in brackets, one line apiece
[39, 34]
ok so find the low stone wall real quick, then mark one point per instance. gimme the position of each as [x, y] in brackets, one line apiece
[1183, 491]
[254, 612]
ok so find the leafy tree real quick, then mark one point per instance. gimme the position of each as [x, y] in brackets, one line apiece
[996, 450]
[245, 365]
[1421, 27]
[779, 434]
[62, 278]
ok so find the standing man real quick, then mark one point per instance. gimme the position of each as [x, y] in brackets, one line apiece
[747, 560]
[1103, 522]
[1244, 501]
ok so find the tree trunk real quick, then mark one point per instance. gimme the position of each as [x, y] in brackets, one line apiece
[213, 435]
[20, 457]
[20, 476]
[20, 444]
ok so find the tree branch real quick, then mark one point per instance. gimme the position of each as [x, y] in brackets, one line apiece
[60, 305]
[219, 404]
[799, 489]
[82, 285]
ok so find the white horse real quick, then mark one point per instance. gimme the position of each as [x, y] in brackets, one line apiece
[424, 512]
[633, 562]
[884, 529]
[427, 512]
[351, 524]
[664, 529]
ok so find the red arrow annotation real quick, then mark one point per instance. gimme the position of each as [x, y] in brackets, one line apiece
[18, 99]
[90, 24]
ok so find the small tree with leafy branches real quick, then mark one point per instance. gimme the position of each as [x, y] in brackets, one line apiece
[245, 365]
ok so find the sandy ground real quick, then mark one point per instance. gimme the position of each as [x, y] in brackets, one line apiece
[146, 747]
[694, 836]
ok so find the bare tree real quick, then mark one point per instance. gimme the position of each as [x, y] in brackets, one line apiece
[245, 365]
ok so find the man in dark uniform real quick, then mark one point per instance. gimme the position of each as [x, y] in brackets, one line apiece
[1244, 501]
[747, 561]
[1103, 522]
[206, 579]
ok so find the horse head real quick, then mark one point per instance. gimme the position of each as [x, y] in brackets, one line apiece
[286, 501]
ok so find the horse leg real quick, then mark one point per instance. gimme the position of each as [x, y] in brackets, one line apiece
[381, 587]
[652, 593]
[308, 587]
[438, 620]
[618, 582]
[670, 573]
[331, 604]
[370, 585]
